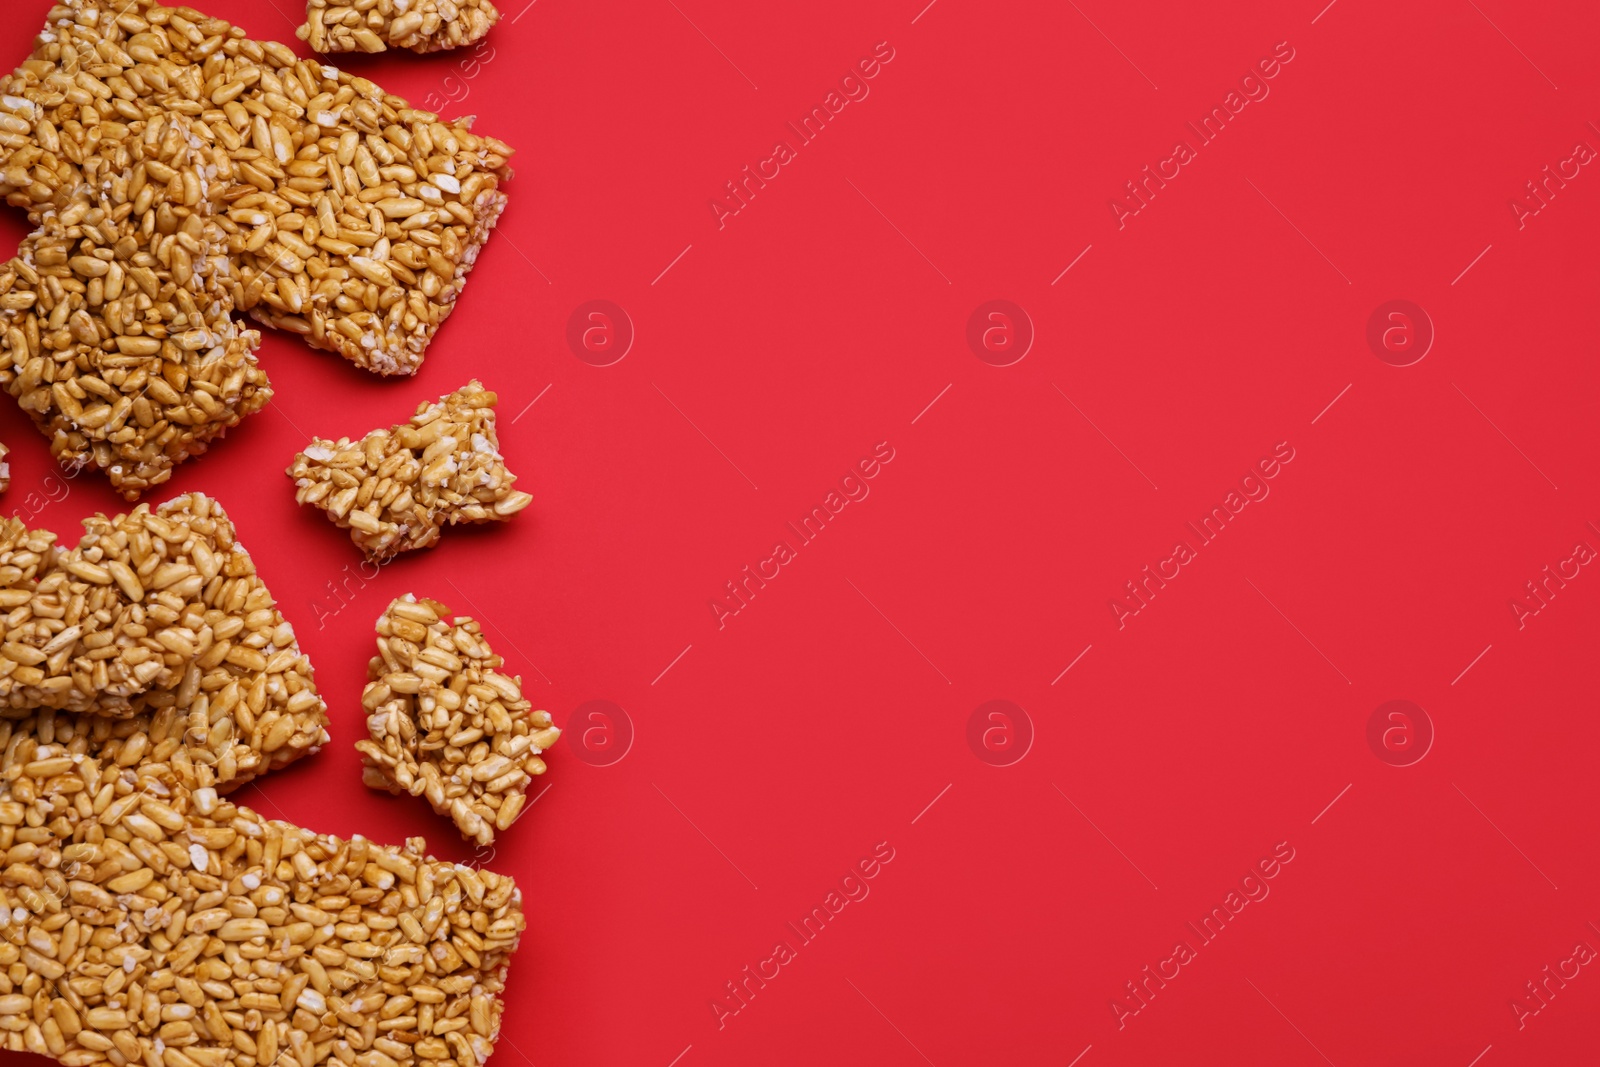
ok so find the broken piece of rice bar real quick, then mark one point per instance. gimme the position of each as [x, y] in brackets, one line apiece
[155, 610]
[138, 384]
[353, 218]
[205, 746]
[116, 333]
[396, 489]
[5, 469]
[420, 25]
[140, 926]
[446, 724]
[235, 722]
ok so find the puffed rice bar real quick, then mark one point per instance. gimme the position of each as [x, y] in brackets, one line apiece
[155, 610]
[446, 724]
[396, 489]
[139, 926]
[116, 333]
[353, 219]
[420, 25]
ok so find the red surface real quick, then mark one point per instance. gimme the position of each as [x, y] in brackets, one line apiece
[778, 751]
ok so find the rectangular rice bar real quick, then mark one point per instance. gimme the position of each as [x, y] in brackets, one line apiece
[352, 217]
[139, 926]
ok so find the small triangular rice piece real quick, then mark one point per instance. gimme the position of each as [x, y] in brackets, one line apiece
[446, 724]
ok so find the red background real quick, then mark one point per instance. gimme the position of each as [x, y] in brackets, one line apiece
[825, 716]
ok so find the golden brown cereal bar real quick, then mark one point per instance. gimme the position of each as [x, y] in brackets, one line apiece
[171, 745]
[446, 724]
[139, 926]
[116, 332]
[353, 219]
[73, 639]
[420, 25]
[157, 610]
[395, 489]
